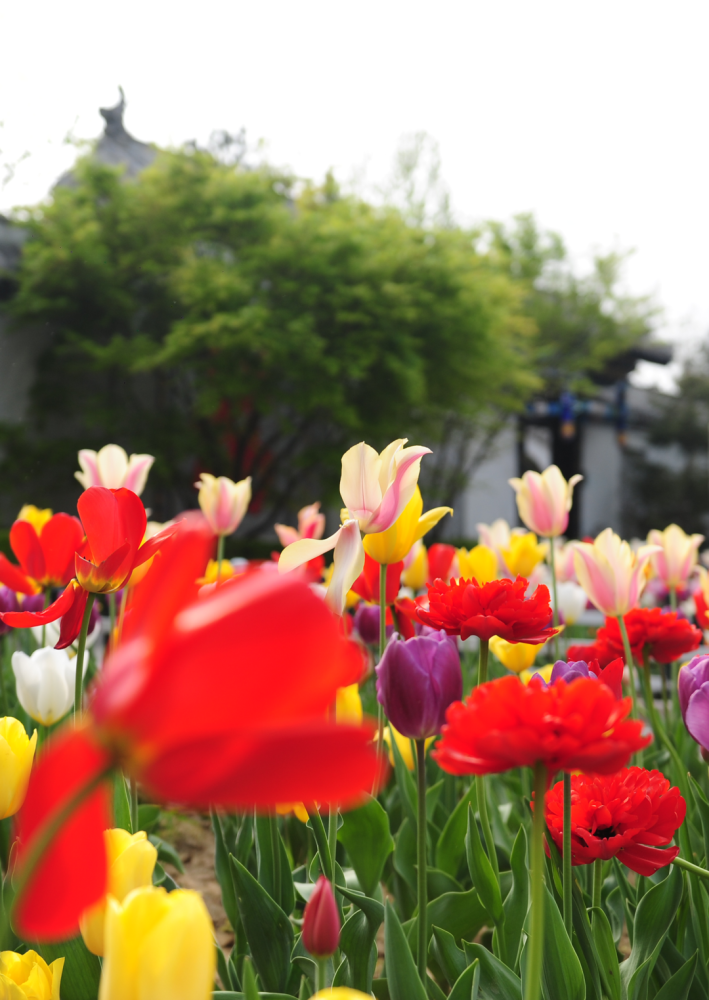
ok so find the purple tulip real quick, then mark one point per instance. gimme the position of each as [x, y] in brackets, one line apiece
[32, 602]
[417, 680]
[8, 602]
[366, 621]
[570, 671]
[693, 690]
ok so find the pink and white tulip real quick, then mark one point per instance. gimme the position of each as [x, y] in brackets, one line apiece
[677, 558]
[544, 500]
[564, 561]
[111, 467]
[311, 524]
[612, 575]
[375, 489]
[223, 502]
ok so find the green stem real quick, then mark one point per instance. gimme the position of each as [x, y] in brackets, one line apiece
[220, 557]
[631, 671]
[133, 804]
[673, 598]
[485, 823]
[421, 861]
[382, 644]
[649, 700]
[536, 937]
[276, 858]
[332, 840]
[597, 882]
[326, 864]
[48, 831]
[112, 614]
[566, 856]
[688, 866]
[79, 682]
[322, 974]
[660, 732]
[552, 557]
[482, 661]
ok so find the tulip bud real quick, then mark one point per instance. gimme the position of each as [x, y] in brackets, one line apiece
[223, 502]
[417, 680]
[45, 683]
[131, 860]
[158, 945]
[16, 755]
[321, 921]
[29, 975]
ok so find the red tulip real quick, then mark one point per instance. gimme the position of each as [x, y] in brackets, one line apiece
[219, 700]
[500, 607]
[321, 921]
[46, 557]
[505, 724]
[664, 634]
[440, 561]
[114, 522]
[367, 586]
[628, 815]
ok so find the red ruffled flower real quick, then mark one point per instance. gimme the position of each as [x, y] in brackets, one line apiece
[464, 608]
[46, 559]
[628, 815]
[598, 651]
[665, 635]
[114, 522]
[702, 609]
[221, 699]
[505, 724]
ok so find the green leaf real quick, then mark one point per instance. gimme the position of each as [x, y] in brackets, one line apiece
[121, 804]
[268, 930]
[614, 902]
[166, 852]
[433, 794]
[230, 995]
[405, 854]
[380, 989]
[405, 784]
[467, 986]
[450, 848]
[433, 990]
[481, 871]
[244, 839]
[148, 816]
[584, 944]
[562, 975]
[703, 810]
[223, 871]
[607, 954]
[655, 912]
[358, 936]
[517, 900]
[82, 970]
[250, 987]
[460, 913]
[284, 893]
[448, 955]
[678, 986]
[315, 823]
[439, 882]
[368, 841]
[497, 982]
[402, 977]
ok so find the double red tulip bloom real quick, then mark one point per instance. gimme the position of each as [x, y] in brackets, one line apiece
[629, 815]
[46, 559]
[505, 724]
[216, 700]
[663, 634]
[464, 608]
[114, 523]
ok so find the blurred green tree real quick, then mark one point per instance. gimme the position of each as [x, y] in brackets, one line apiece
[241, 322]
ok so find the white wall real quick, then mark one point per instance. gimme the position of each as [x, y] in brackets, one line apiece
[601, 465]
[489, 495]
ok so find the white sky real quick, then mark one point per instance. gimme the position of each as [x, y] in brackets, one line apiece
[591, 114]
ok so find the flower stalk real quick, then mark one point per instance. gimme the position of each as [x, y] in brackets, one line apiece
[566, 856]
[597, 882]
[536, 939]
[79, 682]
[382, 643]
[421, 860]
[552, 559]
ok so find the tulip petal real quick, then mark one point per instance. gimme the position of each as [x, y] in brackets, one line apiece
[304, 550]
[13, 577]
[25, 544]
[359, 483]
[137, 473]
[61, 537]
[49, 908]
[70, 625]
[309, 762]
[696, 717]
[348, 564]
[646, 860]
[24, 619]
[286, 534]
[110, 518]
[151, 546]
[430, 519]
[112, 466]
[89, 476]
[400, 490]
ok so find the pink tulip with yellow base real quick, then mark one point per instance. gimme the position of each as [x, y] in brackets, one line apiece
[675, 561]
[544, 500]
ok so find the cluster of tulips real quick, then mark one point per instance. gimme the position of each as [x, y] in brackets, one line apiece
[395, 738]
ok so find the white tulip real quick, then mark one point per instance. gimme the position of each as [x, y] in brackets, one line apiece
[50, 631]
[45, 683]
[572, 601]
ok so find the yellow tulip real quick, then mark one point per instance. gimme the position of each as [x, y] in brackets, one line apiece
[16, 756]
[36, 517]
[403, 744]
[341, 993]
[480, 563]
[516, 656]
[158, 945]
[28, 977]
[297, 808]
[523, 554]
[131, 861]
[212, 572]
[544, 672]
[415, 574]
[348, 706]
[392, 545]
